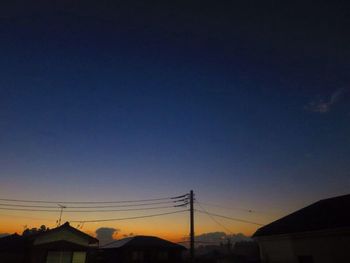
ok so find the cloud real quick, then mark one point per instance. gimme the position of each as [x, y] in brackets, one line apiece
[215, 238]
[212, 237]
[105, 234]
[322, 105]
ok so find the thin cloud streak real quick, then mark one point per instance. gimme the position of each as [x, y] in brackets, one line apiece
[324, 106]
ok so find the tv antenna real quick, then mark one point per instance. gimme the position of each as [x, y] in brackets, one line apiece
[61, 211]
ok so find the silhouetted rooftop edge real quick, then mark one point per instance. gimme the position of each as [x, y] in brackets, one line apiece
[330, 213]
[143, 241]
[16, 239]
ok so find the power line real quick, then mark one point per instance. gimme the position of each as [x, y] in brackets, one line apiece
[213, 218]
[231, 218]
[119, 210]
[93, 202]
[127, 218]
[99, 206]
[231, 208]
[85, 211]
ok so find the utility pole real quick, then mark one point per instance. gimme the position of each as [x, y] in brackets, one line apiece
[191, 226]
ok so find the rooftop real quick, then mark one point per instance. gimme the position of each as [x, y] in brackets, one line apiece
[16, 240]
[325, 214]
[143, 241]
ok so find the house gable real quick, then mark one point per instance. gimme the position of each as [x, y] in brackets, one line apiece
[65, 233]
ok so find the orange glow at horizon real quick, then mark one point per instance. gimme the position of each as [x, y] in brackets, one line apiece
[171, 227]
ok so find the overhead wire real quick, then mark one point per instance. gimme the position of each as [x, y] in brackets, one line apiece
[127, 218]
[214, 219]
[230, 218]
[86, 211]
[93, 202]
[99, 206]
[233, 208]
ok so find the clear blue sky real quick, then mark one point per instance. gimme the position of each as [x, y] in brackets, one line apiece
[247, 105]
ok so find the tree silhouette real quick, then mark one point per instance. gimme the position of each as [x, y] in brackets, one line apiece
[34, 230]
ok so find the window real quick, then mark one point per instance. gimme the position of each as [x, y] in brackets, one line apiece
[59, 257]
[66, 257]
[79, 257]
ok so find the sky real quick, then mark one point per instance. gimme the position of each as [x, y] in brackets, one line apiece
[246, 104]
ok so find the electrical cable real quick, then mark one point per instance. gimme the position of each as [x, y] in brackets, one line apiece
[230, 218]
[85, 211]
[126, 218]
[100, 206]
[93, 202]
[213, 218]
[233, 208]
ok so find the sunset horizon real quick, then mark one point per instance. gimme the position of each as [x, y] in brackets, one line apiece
[196, 122]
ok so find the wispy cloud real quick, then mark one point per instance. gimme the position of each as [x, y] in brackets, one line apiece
[325, 105]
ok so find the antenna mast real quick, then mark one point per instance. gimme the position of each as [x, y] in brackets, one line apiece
[61, 211]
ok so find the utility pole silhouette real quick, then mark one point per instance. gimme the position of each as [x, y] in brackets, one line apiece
[191, 226]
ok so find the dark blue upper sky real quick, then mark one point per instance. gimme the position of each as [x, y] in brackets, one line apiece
[240, 102]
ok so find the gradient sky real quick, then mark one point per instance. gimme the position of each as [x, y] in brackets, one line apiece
[248, 105]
